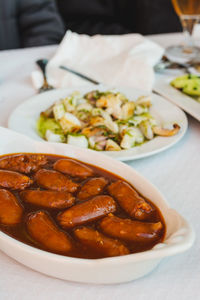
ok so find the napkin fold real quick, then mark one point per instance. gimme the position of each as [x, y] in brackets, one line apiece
[125, 60]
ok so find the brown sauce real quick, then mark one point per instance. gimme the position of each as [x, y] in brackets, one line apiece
[19, 231]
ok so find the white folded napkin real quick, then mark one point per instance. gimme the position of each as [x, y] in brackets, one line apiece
[125, 60]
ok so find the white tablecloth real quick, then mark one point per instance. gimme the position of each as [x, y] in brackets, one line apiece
[176, 172]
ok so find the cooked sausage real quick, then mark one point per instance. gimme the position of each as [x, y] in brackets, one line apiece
[50, 199]
[129, 230]
[14, 180]
[130, 200]
[99, 242]
[54, 180]
[24, 163]
[72, 168]
[92, 187]
[43, 230]
[88, 211]
[10, 209]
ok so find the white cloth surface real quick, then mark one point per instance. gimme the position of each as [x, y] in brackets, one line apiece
[125, 60]
[176, 172]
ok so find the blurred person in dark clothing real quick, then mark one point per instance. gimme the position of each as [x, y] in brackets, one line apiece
[28, 23]
[119, 16]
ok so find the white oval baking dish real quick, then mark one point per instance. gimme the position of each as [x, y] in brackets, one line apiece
[179, 236]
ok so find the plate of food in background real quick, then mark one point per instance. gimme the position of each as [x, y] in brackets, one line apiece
[183, 91]
[125, 124]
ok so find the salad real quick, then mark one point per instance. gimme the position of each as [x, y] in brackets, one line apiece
[104, 121]
[188, 84]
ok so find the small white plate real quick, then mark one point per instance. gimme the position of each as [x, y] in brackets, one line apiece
[187, 103]
[24, 118]
[179, 234]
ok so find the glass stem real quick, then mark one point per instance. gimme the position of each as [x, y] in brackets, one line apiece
[188, 23]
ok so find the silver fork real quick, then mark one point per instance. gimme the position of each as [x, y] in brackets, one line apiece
[42, 63]
[165, 64]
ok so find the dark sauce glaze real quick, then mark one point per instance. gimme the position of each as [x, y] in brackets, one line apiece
[19, 231]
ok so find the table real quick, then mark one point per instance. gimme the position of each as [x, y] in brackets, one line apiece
[176, 172]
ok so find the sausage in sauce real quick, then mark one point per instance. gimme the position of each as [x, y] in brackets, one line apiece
[129, 230]
[54, 180]
[50, 199]
[73, 168]
[13, 180]
[10, 209]
[43, 230]
[92, 187]
[130, 200]
[23, 163]
[99, 242]
[88, 211]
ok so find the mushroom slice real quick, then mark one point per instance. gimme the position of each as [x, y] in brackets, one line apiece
[112, 146]
[127, 110]
[97, 121]
[128, 141]
[92, 131]
[92, 96]
[84, 107]
[166, 132]
[112, 103]
[146, 129]
[48, 113]
[144, 101]
[109, 123]
[70, 123]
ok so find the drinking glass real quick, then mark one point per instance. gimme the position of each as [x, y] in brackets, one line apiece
[189, 15]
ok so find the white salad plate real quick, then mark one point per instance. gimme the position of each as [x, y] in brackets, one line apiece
[23, 119]
[179, 234]
[187, 103]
